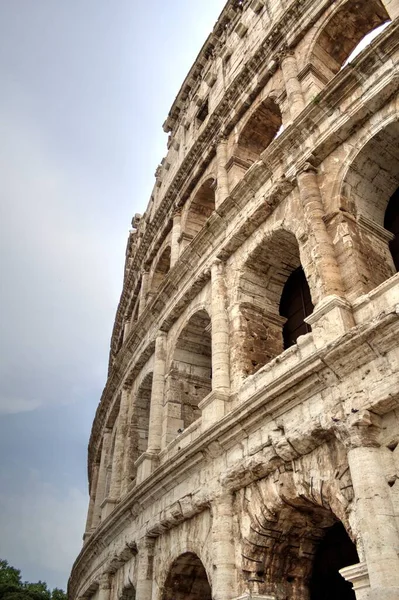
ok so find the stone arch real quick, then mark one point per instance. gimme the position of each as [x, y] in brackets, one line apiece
[257, 130]
[139, 423]
[289, 516]
[128, 593]
[198, 210]
[160, 270]
[370, 180]
[141, 414]
[339, 34]
[260, 289]
[189, 378]
[187, 579]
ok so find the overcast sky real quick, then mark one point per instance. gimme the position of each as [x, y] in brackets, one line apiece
[85, 88]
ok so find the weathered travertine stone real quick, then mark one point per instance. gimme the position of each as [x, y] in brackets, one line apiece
[246, 445]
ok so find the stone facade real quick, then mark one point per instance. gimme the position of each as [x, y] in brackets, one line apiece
[247, 441]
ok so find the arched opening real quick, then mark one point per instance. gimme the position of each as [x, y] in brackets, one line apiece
[366, 253]
[141, 415]
[294, 545]
[199, 211]
[260, 129]
[187, 580]
[128, 593]
[391, 223]
[190, 377]
[295, 305]
[334, 552]
[343, 32]
[161, 269]
[270, 288]
[366, 41]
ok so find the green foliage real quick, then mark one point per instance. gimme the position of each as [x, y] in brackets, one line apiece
[12, 587]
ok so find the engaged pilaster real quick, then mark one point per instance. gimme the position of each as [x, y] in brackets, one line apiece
[118, 456]
[175, 241]
[145, 567]
[332, 315]
[90, 512]
[147, 461]
[143, 291]
[102, 478]
[375, 515]
[224, 579]
[222, 188]
[289, 69]
[213, 406]
[104, 590]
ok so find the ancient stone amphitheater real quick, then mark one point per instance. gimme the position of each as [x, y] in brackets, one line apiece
[246, 443]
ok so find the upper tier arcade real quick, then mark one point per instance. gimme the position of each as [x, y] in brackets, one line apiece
[253, 359]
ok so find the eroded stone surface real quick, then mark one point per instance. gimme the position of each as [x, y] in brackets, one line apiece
[221, 465]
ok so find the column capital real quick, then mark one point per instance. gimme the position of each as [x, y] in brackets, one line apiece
[360, 429]
[217, 264]
[307, 166]
[285, 52]
[177, 214]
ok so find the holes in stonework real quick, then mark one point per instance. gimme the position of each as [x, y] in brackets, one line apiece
[391, 482]
[393, 445]
[203, 112]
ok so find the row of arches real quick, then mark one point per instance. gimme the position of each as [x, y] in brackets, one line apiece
[187, 578]
[344, 31]
[274, 299]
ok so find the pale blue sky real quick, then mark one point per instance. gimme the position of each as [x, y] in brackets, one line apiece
[85, 88]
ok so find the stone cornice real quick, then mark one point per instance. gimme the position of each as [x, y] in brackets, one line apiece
[273, 158]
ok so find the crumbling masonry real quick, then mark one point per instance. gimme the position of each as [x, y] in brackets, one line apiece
[246, 443]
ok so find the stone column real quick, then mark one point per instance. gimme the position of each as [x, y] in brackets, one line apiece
[90, 512]
[223, 551]
[328, 275]
[392, 8]
[222, 188]
[146, 463]
[102, 478]
[375, 515]
[289, 69]
[145, 567]
[104, 591]
[119, 449]
[126, 329]
[220, 330]
[175, 241]
[157, 394]
[213, 406]
[143, 291]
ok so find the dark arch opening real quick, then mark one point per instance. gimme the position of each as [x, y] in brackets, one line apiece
[190, 378]
[161, 270]
[187, 580]
[344, 31]
[260, 129]
[295, 305]
[201, 208]
[391, 223]
[335, 551]
[128, 593]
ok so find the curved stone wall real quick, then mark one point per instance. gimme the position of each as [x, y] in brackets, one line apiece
[238, 444]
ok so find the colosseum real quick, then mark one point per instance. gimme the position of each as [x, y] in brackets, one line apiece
[247, 440]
